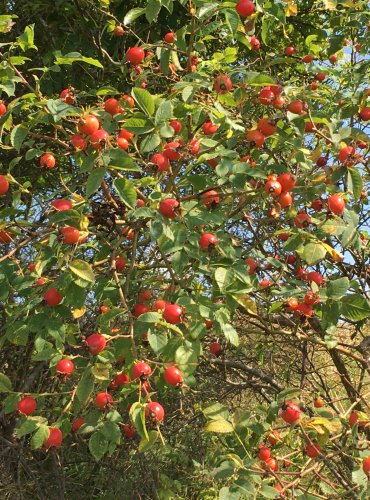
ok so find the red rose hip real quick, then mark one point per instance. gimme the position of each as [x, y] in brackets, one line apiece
[96, 343]
[27, 405]
[173, 376]
[154, 411]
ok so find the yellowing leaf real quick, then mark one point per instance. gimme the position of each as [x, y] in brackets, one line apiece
[334, 254]
[236, 459]
[84, 223]
[78, 313]
[319, 177]
[314, 252]
[199, 288]
[315, 154]
[78, 198]
[174, 328]
[321, 424]
[246, 302]
[292, 9]
[220, 426]
[100, 371]
[331, 4]
[83, 270]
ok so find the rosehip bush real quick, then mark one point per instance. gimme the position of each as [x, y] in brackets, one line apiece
[184, 258]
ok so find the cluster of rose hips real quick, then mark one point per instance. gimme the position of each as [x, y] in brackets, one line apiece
[290, 412]
[141, 371]
[279, 187]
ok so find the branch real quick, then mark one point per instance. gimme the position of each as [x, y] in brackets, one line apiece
[239, 365]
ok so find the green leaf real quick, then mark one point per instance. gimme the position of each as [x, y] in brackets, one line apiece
[17, 333]
[331, 342]
[85, 386]
[348, 235]
[149, 143]
[166, 131]
[156, 229]
[293, 243]
[144, 100]
[313, 253]
[150, 317]
[289, 393]
[168, 4]
[126, 191]
[165, 61]
[94, 180]
[10, 403]
[5, 383]
[278, 11]
[337, 288]
[261, 80]
[7, 84]
[206, 9]
[139, 125]
[186, 356]
[17, 136]
[25, 40]
[116, 158]
[28, 426]
[355, 307]
[266, 27]
[132, 15]
[231, 334]
[152, 10]
[157, 341]
[107, 90]
[31, 154]
[163, 113]
[223, 277]
[83, 270]
[145, 444]
[334, 227]
[112, 432]
[39, 437]
[354, 182]
[58, 108]
[359, 477]
[216, 411]
[72, 57]
[219, 426]
[225, 492]
[87, 163]
[331, 313]
[137, 415]
[179, 261]
[188, 93]
[71, 217]
[268, 491]
[232, 20]
[98, 445]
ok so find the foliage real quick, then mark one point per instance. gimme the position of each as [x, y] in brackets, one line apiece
[173, 194]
